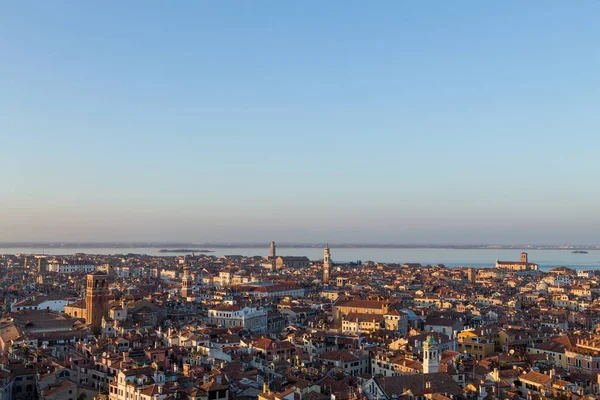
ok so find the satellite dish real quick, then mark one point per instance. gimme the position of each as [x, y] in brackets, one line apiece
[511, 352]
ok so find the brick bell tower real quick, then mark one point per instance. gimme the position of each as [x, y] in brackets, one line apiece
[524, 258]
[96, 300]
[186, 282]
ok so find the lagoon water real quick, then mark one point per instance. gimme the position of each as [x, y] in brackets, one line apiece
[547, 259]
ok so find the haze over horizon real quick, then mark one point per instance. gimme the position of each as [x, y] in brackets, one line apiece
[212, 244]
[459, 123]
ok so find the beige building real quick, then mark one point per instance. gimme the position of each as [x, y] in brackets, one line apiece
[369, 323]
[343, 307]
[291, 262]
[476, 343]
[523, 265]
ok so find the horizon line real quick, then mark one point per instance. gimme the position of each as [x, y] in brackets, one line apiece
[242, 244]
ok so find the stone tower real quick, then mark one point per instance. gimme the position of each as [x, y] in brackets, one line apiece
[472, 275]
[326, 264]
[96, 300]
[524, 257]
[431, 356]
[272, 251]
[186, 282]
[41, 265]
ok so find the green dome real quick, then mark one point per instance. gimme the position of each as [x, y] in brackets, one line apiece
[430, 341]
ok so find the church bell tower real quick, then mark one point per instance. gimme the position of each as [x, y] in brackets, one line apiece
[326, 264]
[186, 283]
[524, 257]
[431, 356]
[96, 300]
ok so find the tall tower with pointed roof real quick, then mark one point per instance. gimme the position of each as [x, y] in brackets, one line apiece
[326, 264]
[431, 356]
[272, 251]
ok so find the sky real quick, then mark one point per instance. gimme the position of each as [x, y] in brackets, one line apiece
[309, 121]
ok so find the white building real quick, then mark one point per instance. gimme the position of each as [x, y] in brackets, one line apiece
[141, 383]
[122, 271]
[558, 280]
[41, 303]
[586, 273]
[253, 319]
[70, 268]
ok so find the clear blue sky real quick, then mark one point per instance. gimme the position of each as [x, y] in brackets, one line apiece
[388, 121]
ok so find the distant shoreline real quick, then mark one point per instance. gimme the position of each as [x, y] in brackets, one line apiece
[185, 251]
[186, 246]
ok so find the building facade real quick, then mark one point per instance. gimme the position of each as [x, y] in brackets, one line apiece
[71, 268]
[253, 319]
[522, 265]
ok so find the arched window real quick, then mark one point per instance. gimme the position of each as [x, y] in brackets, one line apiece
[97, 283]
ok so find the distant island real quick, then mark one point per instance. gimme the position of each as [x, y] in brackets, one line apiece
[579, 252]
[184, 251]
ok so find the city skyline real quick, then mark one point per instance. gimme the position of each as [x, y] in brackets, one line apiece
[397, 123]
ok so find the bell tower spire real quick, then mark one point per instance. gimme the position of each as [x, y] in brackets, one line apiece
[431, 356]
[326, 264]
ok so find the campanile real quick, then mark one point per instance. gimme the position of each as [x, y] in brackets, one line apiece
[96, 300]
